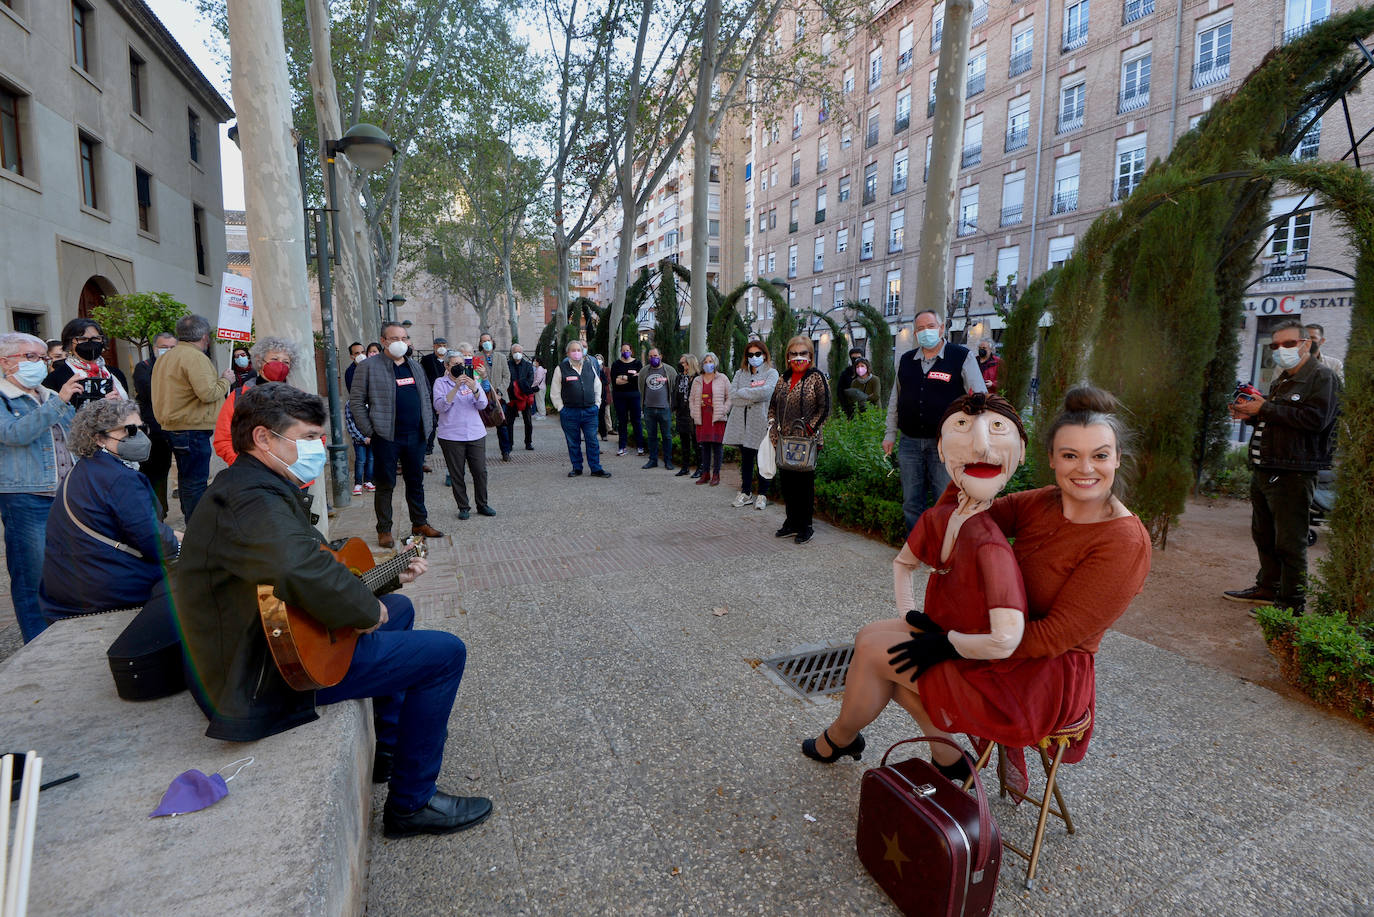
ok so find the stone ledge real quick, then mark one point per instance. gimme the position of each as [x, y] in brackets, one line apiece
[290, 839]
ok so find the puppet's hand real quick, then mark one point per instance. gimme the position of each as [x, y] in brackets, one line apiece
[921, 621]
[921, 652]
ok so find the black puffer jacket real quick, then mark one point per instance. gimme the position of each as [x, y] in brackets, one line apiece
[253, 527]
[1299, 414]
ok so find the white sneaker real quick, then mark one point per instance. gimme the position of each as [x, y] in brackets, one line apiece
[741, 499]
[760, 502]
[357, 490]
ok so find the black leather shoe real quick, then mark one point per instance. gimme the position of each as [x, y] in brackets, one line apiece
[649, 465]
[696, 473]
[668, 466]
[485, 511]
[683, 472]
[528, 447]
[854, 749]
[805, 535]
[1255, 595]
[601, 473]
[464, 514]
[443, 814]
[382, 760]
[575, 473]
[784, 532]
[505, 456]
[957, 772]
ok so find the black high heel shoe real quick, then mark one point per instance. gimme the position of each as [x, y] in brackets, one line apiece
[854, 749]
[957, 772]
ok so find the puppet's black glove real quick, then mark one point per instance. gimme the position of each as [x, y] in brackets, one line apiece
[921, 621]
[921, 652]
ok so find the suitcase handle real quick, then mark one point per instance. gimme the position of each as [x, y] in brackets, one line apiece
[984, 812]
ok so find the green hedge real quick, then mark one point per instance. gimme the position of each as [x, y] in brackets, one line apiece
[1323, 655]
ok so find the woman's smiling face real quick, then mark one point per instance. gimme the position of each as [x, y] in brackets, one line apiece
[1084, 461]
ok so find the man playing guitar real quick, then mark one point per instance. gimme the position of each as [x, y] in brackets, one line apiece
[254, 527]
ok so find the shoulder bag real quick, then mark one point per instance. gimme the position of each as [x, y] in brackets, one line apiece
[798, 444]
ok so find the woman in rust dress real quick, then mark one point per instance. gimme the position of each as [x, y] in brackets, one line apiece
[1083, 557]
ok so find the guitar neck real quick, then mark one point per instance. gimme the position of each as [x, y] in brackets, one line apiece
[381, 575]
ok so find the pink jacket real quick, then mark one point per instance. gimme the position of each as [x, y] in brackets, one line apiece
[720, 398]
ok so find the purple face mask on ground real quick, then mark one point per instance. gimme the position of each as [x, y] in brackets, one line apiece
[193, 790]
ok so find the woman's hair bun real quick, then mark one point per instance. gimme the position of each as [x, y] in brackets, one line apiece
[1087, 399]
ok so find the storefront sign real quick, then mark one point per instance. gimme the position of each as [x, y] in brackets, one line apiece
[1294, 303]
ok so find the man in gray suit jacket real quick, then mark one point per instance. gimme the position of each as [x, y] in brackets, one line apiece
[390, 401]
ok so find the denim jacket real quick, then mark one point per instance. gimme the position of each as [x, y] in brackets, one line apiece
[28, 462]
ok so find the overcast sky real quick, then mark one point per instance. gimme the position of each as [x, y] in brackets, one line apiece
[193, 34]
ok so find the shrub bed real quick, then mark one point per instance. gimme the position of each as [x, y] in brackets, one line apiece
[1325, 656]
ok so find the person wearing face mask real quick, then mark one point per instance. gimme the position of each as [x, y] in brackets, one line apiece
[656, 383]
[687, 369]
[106, 547]
[576, 392]
[56, 353]
[710, 403]
[34, 426]
[1291, 443]
[988, 362]
[523, 394]
[256, 528]
[159, 462]
[275, 356]
[801, 402]
[357, 357]
[845, 381]
[187, 397]
[625, 394]
[929, 377]
[864, 389]
[497, 369]
[1317, 335]
[243, 364]
[434, 365]
[85, 349]
[750, 392]
[390, 402]
[459, 399]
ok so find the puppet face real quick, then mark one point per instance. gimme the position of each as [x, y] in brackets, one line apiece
[981, 452]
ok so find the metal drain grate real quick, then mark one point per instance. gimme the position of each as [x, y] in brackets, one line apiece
[812, 672]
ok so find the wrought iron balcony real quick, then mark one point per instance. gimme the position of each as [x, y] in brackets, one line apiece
[976, 84]
[930, 108]
[1075, 38]
[1298, 31]
[901, 124]
[1020, 62]
[1212, 71]
[904, 60]
[1064, 201]
[1016, 139]
[1123, 186]
[1012, 215]
[980, 14]
[972, 156]
[936, 35]
[1285, 267]
[1136, 9]
[898, 184]
[1069, 121]
[1132, 99]
[968, 226]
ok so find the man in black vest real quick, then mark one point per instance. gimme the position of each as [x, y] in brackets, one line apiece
[929, 377]
[575, 389]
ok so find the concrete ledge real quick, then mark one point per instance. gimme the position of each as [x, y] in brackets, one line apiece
[290, 839]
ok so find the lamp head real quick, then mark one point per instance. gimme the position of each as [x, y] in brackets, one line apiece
[366, 146]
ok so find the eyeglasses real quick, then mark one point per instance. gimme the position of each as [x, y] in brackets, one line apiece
[753, 353]
[30, 357]
[1275, 345]
[130, 429]
[95, 340]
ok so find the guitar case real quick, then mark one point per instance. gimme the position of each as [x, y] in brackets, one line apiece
[146, 659]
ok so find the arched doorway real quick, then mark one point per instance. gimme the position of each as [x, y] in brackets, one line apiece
[93, 296]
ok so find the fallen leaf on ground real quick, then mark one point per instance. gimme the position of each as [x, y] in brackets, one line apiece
[720, 610]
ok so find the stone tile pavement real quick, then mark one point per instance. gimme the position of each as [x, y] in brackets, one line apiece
[641, 764]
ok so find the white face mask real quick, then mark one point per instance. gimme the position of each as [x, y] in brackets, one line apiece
[397, 349]
[441, 351]
[1287, 357]
[360, 357]
[486, 345]
[162, 351]
[517, 356]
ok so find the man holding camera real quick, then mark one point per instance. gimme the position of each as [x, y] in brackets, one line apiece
[187, 397]
[1291, 443]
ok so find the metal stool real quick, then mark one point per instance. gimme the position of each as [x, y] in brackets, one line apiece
[1061, 737]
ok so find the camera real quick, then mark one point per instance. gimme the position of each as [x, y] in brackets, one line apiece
[91, 390]
[1246, 392]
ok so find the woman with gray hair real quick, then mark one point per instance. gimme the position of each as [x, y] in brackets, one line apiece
[106, 547]
[273, 358]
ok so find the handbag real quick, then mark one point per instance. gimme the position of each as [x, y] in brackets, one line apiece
[931, 846]
[796, 451]
[767, 461]
[494, 414]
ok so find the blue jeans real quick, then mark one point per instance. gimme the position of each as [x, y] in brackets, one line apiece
[410, 449]
[503, 437]
[580, 424]
[191, 449]
[362, 463]
[25, 517]
[659, 426]
[412, 677]
[924, 477]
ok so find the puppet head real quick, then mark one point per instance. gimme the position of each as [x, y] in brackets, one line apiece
[982, 443]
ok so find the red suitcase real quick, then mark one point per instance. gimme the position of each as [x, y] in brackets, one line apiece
[932, 847]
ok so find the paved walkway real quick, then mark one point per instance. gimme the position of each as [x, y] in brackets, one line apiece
[640, 763]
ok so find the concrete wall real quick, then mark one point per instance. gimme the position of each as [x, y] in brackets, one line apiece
[52, 242]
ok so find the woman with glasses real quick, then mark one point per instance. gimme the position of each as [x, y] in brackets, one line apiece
[801, 403]
[34, 426]
[710, 403]
[274, 358]
[687, 369]
[750, 392]
[243, 364]
[85, 345]
[106, 547]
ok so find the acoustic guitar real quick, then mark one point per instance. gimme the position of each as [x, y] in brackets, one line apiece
[309, 655]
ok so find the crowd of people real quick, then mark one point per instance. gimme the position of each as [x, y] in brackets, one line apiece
[1002, 649]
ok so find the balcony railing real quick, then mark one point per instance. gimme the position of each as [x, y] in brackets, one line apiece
[980, 13]
[1075, 38]
[1017, 138]
[894, 245]
[1213, 71]
[796, 177]
[871, 138]
[792, 226]
[1064, 201]
[976, 84]
[817, 265]
[1012, 215]
[901, 124]
[1310, 143]
[898, 184]
[1020, 62]
[820, 215]
[930, 108]
[1285, 267]
[1132, 99]
[903, 60]
[1298, 31]
[791, 272]
[866, 251]
[1136, 9]
[972, 156]
[1123, 186]
[968, 226]
[870, 194]
[936, 35]
[874, 81]
[1069, 121]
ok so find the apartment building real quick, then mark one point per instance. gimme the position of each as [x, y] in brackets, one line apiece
[1068, 101]
[109, 163]
[663, 228]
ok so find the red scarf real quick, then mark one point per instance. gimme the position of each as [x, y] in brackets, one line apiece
[92, 370]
